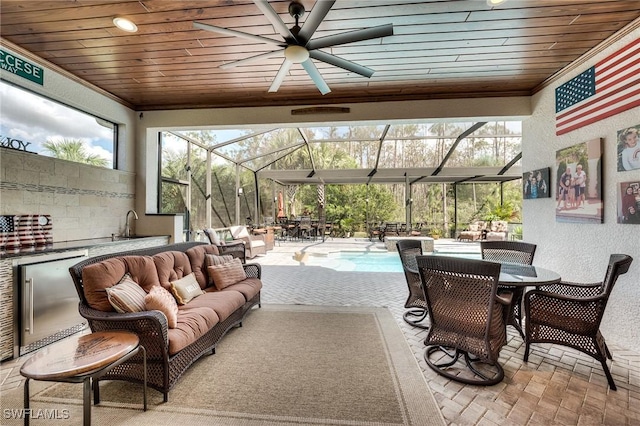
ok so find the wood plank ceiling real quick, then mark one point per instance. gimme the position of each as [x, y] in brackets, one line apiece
[440, 48]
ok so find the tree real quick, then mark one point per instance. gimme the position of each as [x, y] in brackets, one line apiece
[73, 150]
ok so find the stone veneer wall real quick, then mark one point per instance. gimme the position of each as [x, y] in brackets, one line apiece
[7, 314]
[83, 201]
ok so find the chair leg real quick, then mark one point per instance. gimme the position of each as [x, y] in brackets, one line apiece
[602, 354]
[491, 374]
[607, 373]
[414, 317]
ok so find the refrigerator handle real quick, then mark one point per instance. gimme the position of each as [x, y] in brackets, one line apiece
[29, 282]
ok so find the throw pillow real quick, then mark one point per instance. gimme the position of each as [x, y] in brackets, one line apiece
[185, 289]
[160, 299]
[214, 259]
[126, 296]
[227, 274]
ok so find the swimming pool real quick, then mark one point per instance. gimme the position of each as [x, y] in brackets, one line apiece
[357, 261]
[367, 261]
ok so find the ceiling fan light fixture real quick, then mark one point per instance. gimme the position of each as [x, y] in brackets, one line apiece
[125, 25]
[495, 2]
[296, 54]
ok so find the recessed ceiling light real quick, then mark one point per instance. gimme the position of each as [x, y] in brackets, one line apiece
[495, 2]
[125, 25]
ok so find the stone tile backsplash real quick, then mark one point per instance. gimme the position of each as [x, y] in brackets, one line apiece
[83, 201]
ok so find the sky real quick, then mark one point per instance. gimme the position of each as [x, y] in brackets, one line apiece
[35, 119]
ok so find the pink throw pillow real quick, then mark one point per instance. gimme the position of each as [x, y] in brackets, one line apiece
[160, 299]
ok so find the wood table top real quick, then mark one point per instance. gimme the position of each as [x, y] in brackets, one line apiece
[79, 354]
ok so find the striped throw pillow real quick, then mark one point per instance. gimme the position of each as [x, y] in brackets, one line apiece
[214, 259]
[227, 274]
[126, 296]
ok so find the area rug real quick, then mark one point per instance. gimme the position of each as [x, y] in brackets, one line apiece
[288, 365]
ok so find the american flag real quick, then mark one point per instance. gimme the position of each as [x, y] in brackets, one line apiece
[606, 89]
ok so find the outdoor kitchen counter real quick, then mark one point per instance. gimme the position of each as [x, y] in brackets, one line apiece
[131, 243]
[10, 262]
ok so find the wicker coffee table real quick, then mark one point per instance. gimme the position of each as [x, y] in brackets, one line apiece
[82, 359]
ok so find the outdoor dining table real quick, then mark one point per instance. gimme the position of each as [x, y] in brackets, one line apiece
[516, 277]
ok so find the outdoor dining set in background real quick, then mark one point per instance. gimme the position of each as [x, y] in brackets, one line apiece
[297, 228]
[466, 304]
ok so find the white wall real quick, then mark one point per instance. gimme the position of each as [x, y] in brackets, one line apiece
[580, 252]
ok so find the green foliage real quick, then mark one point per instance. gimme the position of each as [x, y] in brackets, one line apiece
[435, 232]
[346, 205]
[350, 207]
[73, 150]
[517, 232]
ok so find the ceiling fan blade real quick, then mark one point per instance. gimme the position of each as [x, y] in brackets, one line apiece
[341, 63]
[235, 33]
[274, 18]
[282, 73]
[313, 72]
[311, 24]
[250, 59]
[351, 36]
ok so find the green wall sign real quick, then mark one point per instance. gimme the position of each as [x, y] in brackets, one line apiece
[11, 63]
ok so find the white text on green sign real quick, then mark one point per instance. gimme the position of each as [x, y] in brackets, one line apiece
[11, 63]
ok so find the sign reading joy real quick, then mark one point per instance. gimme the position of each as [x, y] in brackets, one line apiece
[12, 143]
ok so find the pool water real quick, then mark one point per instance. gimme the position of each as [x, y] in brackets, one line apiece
[367, 261]
[358, 261]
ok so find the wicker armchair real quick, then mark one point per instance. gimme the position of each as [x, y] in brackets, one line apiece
[416, 302]
[233, 248]
[569, 314]
[512, 252]
[467, 318]
[253, 244]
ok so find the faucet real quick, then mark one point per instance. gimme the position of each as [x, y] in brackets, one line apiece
[127, 228]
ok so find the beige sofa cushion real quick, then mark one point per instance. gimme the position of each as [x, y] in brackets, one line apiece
[239, 232]
[213, 237]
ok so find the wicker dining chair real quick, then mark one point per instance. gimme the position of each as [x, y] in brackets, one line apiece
[468, 326]
[416, 303]
[513, 252]
[569, 314]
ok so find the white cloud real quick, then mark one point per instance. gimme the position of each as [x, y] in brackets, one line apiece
[32, 118]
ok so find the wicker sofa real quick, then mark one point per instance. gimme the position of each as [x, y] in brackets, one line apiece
[201, 322]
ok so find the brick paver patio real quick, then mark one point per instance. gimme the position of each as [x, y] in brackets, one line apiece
[558, 386]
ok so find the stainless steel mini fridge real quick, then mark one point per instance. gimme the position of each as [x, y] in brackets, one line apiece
[49, 302]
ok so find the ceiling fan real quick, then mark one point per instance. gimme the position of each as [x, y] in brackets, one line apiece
[298, 45]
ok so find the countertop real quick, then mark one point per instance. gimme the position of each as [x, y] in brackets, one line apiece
[70, 245]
